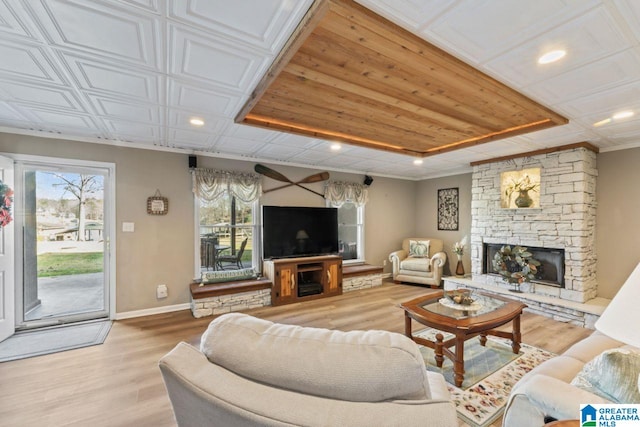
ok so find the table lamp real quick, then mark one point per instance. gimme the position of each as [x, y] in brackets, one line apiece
[302, 237]
[621, 318]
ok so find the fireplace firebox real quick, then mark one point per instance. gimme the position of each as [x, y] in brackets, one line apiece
[550, 271]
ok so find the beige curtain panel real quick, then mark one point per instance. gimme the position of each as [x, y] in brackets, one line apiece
[338, 192]
[209, 184]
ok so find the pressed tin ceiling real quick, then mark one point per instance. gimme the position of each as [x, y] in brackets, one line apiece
[348, 74]
[132, 73]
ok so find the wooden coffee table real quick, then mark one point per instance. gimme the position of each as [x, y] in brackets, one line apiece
[493, 311]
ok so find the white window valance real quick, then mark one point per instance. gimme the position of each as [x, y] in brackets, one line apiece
[209, 184]
[338, 192]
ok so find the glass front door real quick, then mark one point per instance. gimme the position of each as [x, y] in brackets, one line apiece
[64, 244]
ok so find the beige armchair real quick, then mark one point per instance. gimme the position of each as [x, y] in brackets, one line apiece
[252, 372]
[425, 270]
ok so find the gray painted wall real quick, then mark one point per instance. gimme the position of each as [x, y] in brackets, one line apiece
[617, 218]
[162, 249]
[427, 216]
[396, 209]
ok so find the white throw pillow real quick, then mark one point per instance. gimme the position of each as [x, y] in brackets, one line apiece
[419, 248]
[612, 375]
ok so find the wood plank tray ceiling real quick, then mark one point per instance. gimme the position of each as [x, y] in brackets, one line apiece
[349, 75]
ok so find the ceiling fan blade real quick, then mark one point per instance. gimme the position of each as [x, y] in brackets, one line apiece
[270, 173]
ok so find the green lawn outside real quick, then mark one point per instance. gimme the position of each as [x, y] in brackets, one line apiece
[56, 264]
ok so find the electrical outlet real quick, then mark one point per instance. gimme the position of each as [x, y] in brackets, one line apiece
[384, 262]
[162, 291]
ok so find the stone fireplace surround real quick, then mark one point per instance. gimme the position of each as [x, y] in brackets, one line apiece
[565, 220]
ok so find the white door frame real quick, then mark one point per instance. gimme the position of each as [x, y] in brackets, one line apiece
[7, 264]
[109, 231]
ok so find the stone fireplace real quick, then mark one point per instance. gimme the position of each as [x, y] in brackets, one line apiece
[564, 224]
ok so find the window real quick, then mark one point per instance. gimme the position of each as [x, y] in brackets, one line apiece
[226, 206]
[350, 199]
[351, 232]
[224, 224]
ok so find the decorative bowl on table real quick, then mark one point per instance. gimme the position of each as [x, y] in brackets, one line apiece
[460, 299]
[460, 296]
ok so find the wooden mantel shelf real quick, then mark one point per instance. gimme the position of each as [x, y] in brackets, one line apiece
[583, 144]
[226, 288]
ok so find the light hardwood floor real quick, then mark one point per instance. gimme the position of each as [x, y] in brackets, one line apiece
[119, 383]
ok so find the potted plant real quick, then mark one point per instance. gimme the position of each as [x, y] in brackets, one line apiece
[522, 186]
[458, 249]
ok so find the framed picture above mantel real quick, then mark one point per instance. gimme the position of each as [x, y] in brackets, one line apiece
[520, 189]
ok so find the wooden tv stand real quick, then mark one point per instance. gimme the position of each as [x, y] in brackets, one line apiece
[302, 279]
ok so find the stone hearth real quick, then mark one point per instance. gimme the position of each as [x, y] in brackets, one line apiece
[562, 310]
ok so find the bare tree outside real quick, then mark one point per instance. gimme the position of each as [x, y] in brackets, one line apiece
[81, 187]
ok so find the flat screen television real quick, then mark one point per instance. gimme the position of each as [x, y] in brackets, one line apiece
[293, 231]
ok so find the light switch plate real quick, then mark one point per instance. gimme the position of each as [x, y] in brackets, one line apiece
[128, 227]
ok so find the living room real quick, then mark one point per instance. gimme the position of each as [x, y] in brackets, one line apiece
[152, 250]
[171, 240]
[396, 209]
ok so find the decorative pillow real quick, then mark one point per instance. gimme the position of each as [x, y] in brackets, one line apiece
[359, 366]
[612, 375]
[227, 275]
[419, 248]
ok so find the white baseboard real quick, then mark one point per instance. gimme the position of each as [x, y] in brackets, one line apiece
[150, 311]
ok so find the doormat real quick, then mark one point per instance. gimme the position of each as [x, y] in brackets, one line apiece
[490, 374]
[53, 340]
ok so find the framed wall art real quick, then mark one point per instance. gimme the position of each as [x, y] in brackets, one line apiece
[157, 205]
[448, 211]
[520, 189]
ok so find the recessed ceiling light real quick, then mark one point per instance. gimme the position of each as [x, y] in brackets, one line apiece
[551, 56]
[335, 146]
[617, 116]
[417, 162]
[196, 121]
[602, 122]
[622, 115]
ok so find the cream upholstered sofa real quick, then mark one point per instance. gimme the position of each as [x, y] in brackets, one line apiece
[555, 388]
[252, 372]
[546, 390]
[423, 270]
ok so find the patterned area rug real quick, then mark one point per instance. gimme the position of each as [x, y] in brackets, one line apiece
[490, 373]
